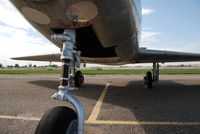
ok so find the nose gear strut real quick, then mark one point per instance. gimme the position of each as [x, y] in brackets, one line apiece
[70, 58]
[71, 121]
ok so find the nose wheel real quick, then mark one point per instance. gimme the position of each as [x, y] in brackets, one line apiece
[58, 120]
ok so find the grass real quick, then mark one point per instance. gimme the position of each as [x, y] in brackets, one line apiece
[106, 71]
[49, 71]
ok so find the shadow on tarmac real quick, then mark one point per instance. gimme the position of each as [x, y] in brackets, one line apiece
[167, 101]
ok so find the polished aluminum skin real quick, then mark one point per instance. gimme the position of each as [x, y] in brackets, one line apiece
[117, 23]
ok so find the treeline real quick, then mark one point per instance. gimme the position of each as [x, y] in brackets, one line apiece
[34, 66]
[182, 65]
[28, 66]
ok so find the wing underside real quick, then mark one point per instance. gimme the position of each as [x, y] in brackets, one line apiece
[45, 57]
[145, 56]
[56, 58]
[149, 56]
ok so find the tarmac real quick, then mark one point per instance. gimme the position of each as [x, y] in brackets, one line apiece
[114, 104]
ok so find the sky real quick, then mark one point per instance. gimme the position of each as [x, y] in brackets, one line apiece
[172, 25]
[166, 25]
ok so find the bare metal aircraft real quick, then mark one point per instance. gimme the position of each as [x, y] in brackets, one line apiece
[89, 31]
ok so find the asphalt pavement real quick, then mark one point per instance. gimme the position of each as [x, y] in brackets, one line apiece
[114, 104]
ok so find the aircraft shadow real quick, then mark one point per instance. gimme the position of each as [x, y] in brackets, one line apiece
[167, 101]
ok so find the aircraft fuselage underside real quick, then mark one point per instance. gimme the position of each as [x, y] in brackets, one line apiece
[104, 29]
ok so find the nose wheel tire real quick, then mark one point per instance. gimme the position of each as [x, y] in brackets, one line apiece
[58, 120]
[79, 79]
[148, 80]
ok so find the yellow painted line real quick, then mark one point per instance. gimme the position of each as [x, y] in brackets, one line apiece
[97, 107]
[19, 118]
[101, 122]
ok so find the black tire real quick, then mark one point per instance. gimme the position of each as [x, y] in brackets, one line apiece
[58, 120]
[79, 79]
[148, 80]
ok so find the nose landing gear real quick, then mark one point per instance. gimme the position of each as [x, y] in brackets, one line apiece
[64, 120]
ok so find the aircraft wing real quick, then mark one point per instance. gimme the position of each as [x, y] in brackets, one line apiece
[45, 57]
[149, 56]
[145, 56]
[56, 58]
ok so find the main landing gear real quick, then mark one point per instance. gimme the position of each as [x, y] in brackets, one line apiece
[64, 120]
[78, 79]
[149, 79]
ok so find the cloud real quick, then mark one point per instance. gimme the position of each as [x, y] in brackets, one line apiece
[149, 37]
[10, 16]
[19, 38]
[191, 47]
[146, 11]
[146, 28]
[17, 42]
[150, 40]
